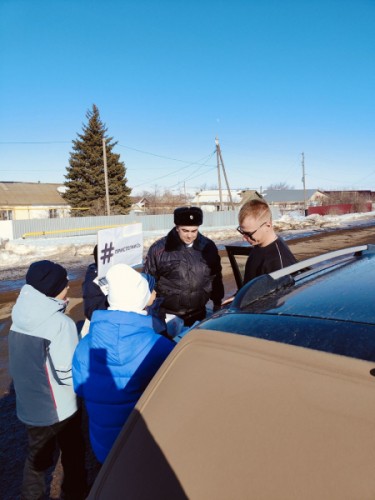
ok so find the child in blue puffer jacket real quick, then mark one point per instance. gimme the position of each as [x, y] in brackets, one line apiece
[116, 360]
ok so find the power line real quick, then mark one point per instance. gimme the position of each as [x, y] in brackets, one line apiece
[366, 176]
[340, 182]
[192, 177]
[157, 178]
[37, 170]
[121, 145]
[202, 162]
[35, 142]
[159, 156]
[206, 158]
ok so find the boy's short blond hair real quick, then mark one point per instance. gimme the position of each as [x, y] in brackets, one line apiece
[258, 209]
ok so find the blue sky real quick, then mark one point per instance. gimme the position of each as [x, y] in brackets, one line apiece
[270, 78]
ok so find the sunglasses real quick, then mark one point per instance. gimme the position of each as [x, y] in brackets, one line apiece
[247, 233]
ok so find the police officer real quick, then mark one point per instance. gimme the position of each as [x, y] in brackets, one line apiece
[187, 268]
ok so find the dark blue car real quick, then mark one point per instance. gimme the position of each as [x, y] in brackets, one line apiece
[325, 303]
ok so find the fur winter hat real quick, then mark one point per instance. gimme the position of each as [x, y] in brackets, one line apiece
[188, 216]
[128, 290]
[47, 277]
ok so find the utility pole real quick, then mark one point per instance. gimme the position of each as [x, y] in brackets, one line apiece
[220, 160]
[106, 177]
[155, 197]
[218, 174]
[304, 184]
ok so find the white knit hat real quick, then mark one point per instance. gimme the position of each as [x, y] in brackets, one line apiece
[128, 290]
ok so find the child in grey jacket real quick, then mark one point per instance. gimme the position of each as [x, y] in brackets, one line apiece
[42, 340]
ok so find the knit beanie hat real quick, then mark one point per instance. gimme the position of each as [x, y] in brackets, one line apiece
[188, 216]
[128, 290]
[47, 277]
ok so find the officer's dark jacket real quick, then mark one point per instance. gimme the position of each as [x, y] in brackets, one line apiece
[186, 277]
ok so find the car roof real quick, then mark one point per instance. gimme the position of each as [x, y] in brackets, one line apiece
[337, 286]
[347, 296]
[325, 303]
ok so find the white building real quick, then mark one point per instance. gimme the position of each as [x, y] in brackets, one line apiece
[209, 201]
[32, 200]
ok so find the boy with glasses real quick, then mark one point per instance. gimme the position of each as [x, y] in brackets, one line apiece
[270, 252]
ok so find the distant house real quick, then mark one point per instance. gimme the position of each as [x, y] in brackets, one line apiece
[352, 195]
[140, 204]
[209, 200]
[288, 200]
[32, 200]
[356, 192]
[341, 202]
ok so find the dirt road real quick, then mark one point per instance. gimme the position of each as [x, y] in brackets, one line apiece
[12, 433]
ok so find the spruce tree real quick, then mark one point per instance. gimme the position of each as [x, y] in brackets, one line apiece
[85, 181]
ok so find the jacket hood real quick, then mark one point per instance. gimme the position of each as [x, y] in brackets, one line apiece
[123, 335]
[128, 290]
[33, 308]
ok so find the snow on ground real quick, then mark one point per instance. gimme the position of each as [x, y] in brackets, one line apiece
[20, 253]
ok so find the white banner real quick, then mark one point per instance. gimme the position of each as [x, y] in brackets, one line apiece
[119, 244]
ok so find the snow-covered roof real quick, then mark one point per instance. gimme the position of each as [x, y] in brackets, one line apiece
[213, 196]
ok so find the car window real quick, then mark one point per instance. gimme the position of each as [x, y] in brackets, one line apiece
[338, 337]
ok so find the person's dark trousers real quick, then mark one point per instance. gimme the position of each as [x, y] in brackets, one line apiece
[42, 444]
[190, 319]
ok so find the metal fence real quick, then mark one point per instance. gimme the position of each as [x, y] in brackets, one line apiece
[77, 226]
